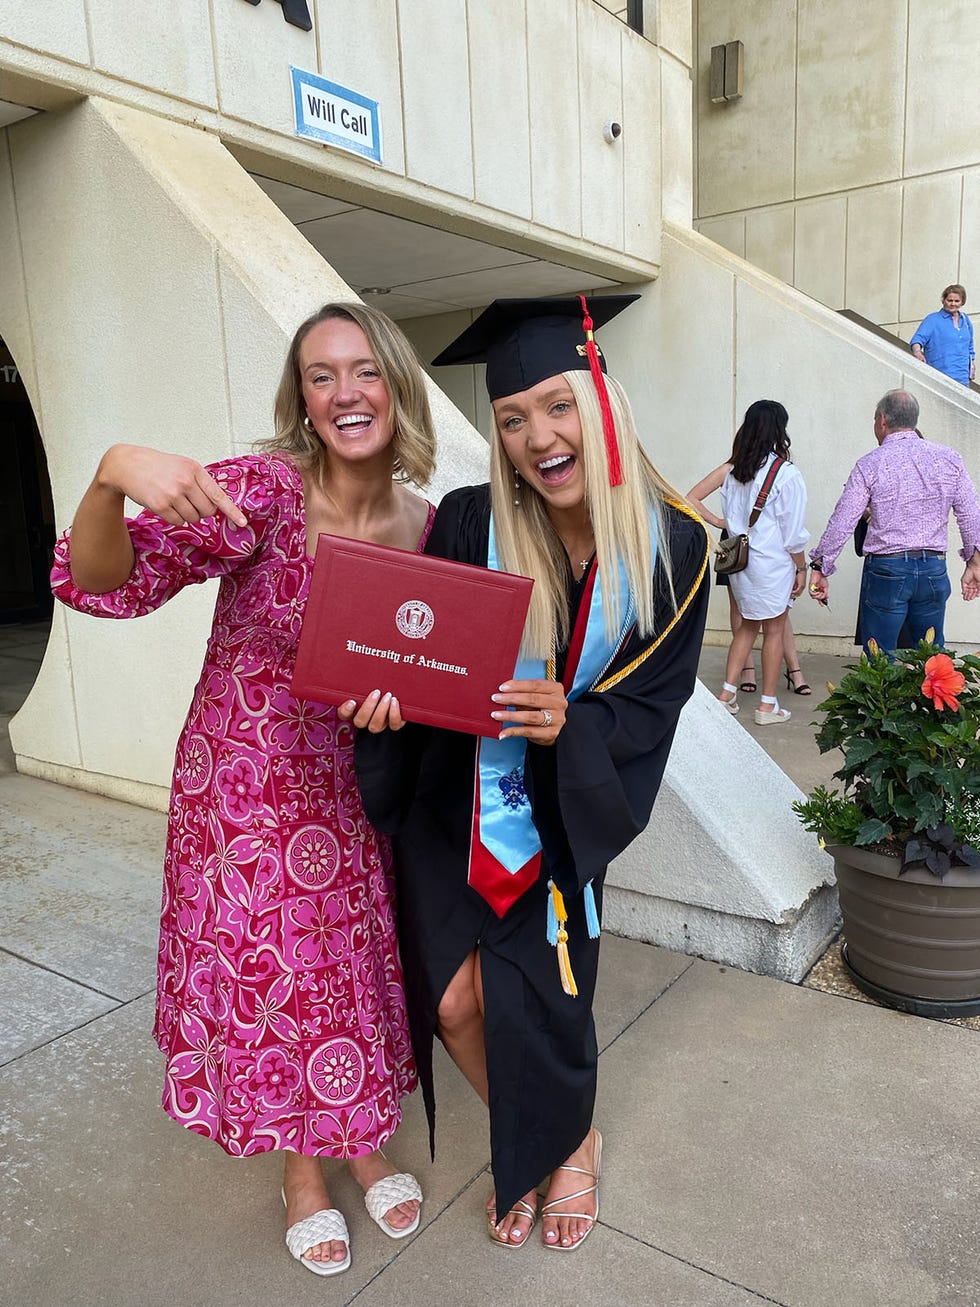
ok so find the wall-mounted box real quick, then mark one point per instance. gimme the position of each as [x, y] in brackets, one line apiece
[725, 82]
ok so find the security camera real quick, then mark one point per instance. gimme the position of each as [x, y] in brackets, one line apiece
[612, 131]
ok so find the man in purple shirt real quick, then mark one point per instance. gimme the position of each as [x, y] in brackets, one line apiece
[910, 485]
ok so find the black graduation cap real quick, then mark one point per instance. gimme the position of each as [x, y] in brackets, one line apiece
[523, 341]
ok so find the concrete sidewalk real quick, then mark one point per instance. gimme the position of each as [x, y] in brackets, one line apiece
[764, 1142]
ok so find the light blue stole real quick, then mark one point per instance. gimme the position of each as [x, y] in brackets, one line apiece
[506, 827]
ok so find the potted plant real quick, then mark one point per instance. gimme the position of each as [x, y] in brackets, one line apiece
[904, 829]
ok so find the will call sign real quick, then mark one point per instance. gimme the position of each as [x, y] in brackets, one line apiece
[296, 12]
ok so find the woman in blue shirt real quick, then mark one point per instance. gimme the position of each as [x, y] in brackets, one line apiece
[944, 339]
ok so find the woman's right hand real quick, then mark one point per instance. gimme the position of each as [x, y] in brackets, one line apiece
[379, 712]
[175, 488]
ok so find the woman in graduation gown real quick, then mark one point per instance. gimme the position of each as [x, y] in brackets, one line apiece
[501, 845]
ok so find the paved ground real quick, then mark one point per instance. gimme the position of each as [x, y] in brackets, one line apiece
[792, 743]
[765, 1142]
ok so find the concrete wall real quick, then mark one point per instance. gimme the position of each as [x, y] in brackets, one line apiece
[492, 115]
[123, 205]
[160, 316]
[189, 362]
[152, 289]
[716, 333]
[851, 166]
[712, 334]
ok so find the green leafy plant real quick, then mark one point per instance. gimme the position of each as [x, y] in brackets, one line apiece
[908, 727]
[965, 818]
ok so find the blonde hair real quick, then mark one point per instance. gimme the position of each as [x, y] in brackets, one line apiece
[413, 441]
[528, 544]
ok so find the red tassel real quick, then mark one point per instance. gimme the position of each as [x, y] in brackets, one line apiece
[599, 381]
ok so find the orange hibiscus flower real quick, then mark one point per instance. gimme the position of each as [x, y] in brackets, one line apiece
[943, 682]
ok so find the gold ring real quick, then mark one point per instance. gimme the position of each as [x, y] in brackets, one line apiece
[546, 714]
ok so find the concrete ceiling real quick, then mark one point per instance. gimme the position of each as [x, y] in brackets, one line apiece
[424, 270]
[408, 269]
[12, 113]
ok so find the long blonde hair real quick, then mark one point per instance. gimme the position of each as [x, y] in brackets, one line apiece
[413, 441]
[528, 544]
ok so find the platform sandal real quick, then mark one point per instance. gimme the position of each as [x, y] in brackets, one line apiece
[773, 718]
[730, 705]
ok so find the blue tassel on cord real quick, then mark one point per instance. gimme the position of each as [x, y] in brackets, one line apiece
[552, 919]
[591, 916]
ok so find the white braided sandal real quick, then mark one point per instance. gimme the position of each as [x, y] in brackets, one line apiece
[387, 1193]
[323, 1226]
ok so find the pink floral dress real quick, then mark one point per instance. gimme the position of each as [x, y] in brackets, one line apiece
[280, 1001]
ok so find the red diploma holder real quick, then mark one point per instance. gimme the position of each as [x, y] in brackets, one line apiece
[441, 636]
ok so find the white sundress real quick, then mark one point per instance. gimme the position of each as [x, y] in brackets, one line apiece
[762, 589]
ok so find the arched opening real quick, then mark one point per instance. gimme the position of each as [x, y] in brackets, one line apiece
[26, 539]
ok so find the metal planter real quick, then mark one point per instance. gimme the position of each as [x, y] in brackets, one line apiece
[912, 941]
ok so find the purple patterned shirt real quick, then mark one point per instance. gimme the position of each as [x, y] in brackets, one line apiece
[910, 486]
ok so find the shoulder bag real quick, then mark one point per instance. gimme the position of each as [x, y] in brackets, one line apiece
[732, 553]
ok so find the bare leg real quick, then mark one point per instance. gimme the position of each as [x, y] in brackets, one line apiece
[460, 1023]
[302, 1183]
[742, 642]
[772, 656]
[461, 1030]
[791, 656]
[735, 621]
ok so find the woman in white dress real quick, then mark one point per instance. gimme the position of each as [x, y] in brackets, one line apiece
[776, 572]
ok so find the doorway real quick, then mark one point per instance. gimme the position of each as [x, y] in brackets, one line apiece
[26, 510]
[26, 544]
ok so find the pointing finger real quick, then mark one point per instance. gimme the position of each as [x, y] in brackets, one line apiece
[222, 502]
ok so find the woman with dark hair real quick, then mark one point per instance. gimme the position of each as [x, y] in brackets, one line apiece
[795, 679]
[776, 572]
[280, 998]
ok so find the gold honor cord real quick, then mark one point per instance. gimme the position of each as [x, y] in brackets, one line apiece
[561, 942]
[615, 679]
[558, 911]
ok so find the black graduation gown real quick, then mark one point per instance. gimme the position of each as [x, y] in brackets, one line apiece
[591, 794]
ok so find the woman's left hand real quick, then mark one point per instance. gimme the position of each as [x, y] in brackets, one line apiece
[534, 710]
[379, 712]
[799, 583]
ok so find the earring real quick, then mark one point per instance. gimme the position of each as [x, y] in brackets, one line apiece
[517, 487]
[306, 422]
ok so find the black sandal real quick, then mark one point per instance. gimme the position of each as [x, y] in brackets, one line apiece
[797, 689]
[748, 686]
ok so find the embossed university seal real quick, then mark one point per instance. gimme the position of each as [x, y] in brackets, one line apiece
[415, 619]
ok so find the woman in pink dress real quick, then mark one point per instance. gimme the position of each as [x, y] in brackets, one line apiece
[280, 1002]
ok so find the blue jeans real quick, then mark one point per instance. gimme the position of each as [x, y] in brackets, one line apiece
[912, 589]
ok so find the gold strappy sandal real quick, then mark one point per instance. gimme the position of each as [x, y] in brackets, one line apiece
[520, 1208]
[579, 1193]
